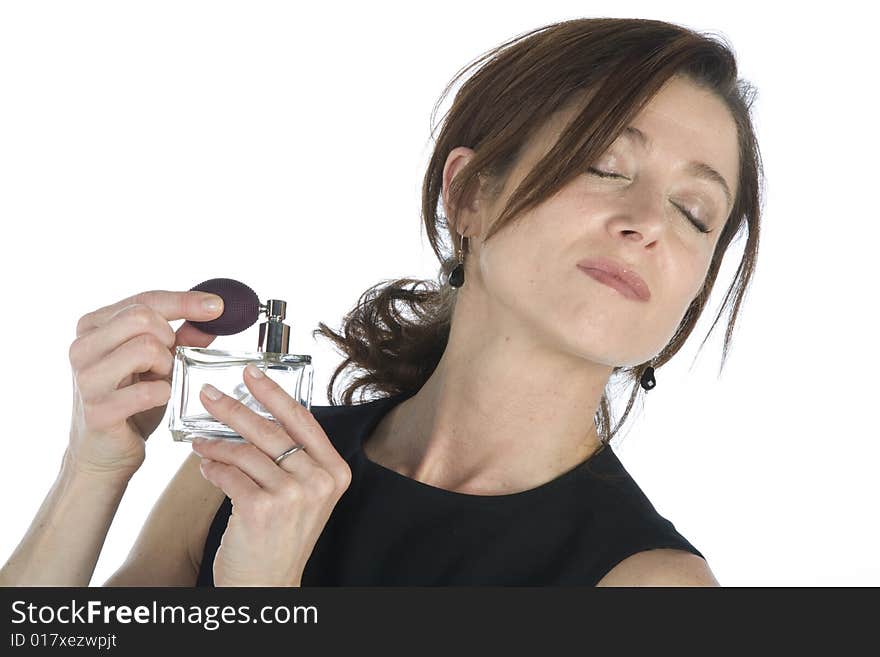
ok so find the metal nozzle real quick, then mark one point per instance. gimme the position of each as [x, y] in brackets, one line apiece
[274, 333]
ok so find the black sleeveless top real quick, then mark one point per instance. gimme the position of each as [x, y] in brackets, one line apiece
[390, 530]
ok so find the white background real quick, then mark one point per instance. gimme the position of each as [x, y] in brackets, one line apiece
[154, 145]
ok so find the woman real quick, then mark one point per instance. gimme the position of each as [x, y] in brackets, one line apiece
[587, 146]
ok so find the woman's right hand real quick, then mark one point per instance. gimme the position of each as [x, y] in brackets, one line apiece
[122, 360]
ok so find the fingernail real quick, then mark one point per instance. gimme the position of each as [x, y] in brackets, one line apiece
[211, 392]
[253, 371]
[212, 303]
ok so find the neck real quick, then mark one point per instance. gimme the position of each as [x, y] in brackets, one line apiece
[500, 414]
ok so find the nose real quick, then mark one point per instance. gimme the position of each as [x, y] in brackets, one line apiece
[642, 212]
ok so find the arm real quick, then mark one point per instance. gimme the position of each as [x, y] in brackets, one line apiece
[660, 567]
[62, 545]
[169, 549]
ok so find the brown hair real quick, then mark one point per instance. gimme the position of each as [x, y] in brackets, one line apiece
[621, 63]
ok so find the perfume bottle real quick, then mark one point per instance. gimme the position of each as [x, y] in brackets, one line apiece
[224, 370]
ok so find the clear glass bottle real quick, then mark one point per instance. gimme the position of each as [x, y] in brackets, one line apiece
[224, 370]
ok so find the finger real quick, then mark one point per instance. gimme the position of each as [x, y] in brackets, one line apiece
[297, 422]
[129, 322]
[186, 335]
[255, 463]
[169, 304]
[111, 410]
[267, 436]
[142, 353]
[232, 481]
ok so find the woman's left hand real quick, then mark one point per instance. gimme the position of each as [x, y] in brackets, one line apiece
[278, 510]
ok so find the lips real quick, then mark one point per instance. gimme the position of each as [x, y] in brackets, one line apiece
[617, 274]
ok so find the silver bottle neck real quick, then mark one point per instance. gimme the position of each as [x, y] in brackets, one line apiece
[274, 333]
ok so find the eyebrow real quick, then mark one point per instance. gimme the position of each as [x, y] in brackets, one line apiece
[698, 169]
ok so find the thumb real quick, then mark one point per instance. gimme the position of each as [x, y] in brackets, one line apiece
[189, 336]
[185, 336]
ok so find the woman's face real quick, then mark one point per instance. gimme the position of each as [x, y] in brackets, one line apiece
[528, 271]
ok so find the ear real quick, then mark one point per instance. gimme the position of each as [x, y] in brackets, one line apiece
[458, 158]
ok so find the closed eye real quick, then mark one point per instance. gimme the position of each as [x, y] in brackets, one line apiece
[604, 174]
[698, 224]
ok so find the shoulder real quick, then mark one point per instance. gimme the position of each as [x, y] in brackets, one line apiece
[660, 567]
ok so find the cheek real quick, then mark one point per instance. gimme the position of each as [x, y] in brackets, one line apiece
[511, 271]
[681, 296]
[698, 279]
[516, 260]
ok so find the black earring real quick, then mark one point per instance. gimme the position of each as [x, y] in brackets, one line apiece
[648, 380]
[456, 276]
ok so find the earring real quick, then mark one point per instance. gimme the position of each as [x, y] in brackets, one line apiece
[456, 276]
[648, 381]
